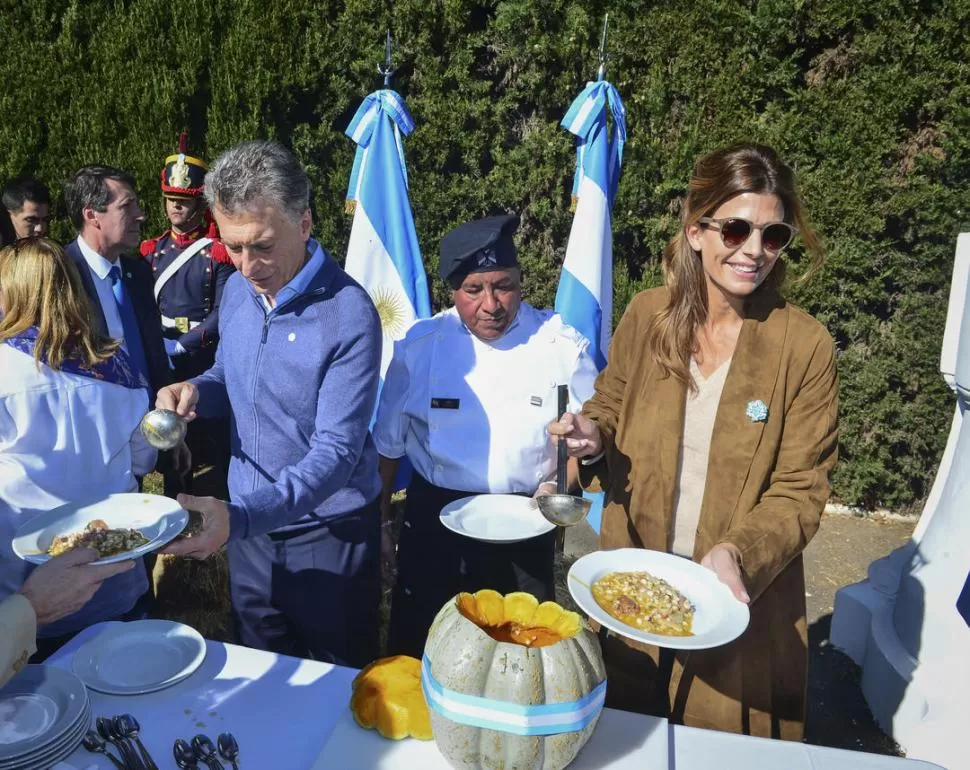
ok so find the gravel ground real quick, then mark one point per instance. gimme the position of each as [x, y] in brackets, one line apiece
[839, 554]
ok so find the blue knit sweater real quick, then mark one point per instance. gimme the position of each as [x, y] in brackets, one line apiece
[299, 385]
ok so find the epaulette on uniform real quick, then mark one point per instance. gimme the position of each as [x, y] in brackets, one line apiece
[424, 327]
[559, 328]
[148, 247]
[218, 253]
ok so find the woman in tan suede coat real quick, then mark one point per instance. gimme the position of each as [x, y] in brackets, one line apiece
[763, 470]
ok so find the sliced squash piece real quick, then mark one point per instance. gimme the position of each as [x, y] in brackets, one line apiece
[387, 696]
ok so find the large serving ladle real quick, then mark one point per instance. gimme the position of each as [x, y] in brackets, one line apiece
[163, 428]
[563, 510]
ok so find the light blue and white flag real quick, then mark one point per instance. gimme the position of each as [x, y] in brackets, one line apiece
[585, 295]
[383, 254]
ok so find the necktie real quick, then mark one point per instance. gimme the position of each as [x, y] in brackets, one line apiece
[128, 322]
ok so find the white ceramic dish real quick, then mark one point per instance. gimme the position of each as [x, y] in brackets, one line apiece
[46, 756]
[41, 711]
[495, 518]
[719, 618]
[158, 518]
[139, 657]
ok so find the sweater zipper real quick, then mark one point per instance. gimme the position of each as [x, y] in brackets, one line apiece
[259, 355]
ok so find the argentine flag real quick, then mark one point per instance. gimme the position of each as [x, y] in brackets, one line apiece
[585, 295]
[383, 254]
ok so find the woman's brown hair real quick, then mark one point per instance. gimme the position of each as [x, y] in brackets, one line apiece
[718, 177]
[40, 286]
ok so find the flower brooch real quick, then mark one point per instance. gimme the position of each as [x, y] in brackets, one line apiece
[757, 411]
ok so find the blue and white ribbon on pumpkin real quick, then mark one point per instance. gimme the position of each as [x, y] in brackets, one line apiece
[515, 718]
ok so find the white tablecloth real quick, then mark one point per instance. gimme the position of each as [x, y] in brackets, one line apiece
[292, 714]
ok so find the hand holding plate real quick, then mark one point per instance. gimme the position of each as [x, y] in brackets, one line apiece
[724, 560]
[65, 583]
[214, 532]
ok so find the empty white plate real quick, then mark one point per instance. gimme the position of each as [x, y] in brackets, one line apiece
[495, 518]
[158, 518]
[139, 657]
[719, 618]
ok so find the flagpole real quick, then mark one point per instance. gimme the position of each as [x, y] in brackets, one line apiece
[601, 72]
[584, 297]
[386, 68]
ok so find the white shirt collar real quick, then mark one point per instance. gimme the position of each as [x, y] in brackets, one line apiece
[98, 264]
[505, 335]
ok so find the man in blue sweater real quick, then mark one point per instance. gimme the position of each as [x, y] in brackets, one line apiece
[296, 371]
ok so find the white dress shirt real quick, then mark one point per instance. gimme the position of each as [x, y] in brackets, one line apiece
[100, 268]
[63, 438]
[472, 415]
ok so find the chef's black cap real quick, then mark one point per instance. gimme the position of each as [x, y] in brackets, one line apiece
[477, 247]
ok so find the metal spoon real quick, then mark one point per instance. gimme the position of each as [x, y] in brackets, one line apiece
[106, 731]
[127, 726]
[122, 740]
[184, 755]
[561, 509]
[206, 751]
[229, 749]
[95, 744]
[163, 428]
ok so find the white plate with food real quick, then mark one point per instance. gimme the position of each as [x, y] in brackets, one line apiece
[139, 657]
[657, 598]
[121, 526]
[495, 518]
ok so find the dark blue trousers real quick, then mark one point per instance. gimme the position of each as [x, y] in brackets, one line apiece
[434, 564]
[312, 593]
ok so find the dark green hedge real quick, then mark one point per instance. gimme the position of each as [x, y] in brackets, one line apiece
[869, 100]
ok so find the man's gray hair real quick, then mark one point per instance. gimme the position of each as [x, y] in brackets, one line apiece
[258, 171]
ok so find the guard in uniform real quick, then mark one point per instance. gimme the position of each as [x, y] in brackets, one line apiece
[466, 399]
[190, 267]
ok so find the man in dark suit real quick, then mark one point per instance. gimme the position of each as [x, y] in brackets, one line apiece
[102, 204]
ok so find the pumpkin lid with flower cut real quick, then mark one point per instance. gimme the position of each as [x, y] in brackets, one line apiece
[387, 697]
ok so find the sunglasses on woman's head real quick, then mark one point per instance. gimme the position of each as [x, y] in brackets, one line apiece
[736, 231]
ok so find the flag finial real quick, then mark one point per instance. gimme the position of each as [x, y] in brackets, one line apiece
[601, 73]
[387, 69]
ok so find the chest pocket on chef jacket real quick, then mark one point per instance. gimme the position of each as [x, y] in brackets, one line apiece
[455, 416]
[527, 423]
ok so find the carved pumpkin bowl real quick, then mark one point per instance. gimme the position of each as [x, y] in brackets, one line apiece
[511, 683]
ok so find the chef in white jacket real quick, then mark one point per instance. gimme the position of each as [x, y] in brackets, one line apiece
[465, 399]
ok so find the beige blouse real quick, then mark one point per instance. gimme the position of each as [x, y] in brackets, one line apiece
[695, 446]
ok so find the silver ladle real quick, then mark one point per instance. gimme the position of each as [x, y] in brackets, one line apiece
[562, 509]
[163, 428]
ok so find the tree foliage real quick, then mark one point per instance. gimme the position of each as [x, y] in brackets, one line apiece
[869, 101]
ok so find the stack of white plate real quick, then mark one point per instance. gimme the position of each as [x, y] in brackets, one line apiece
[44, 714]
